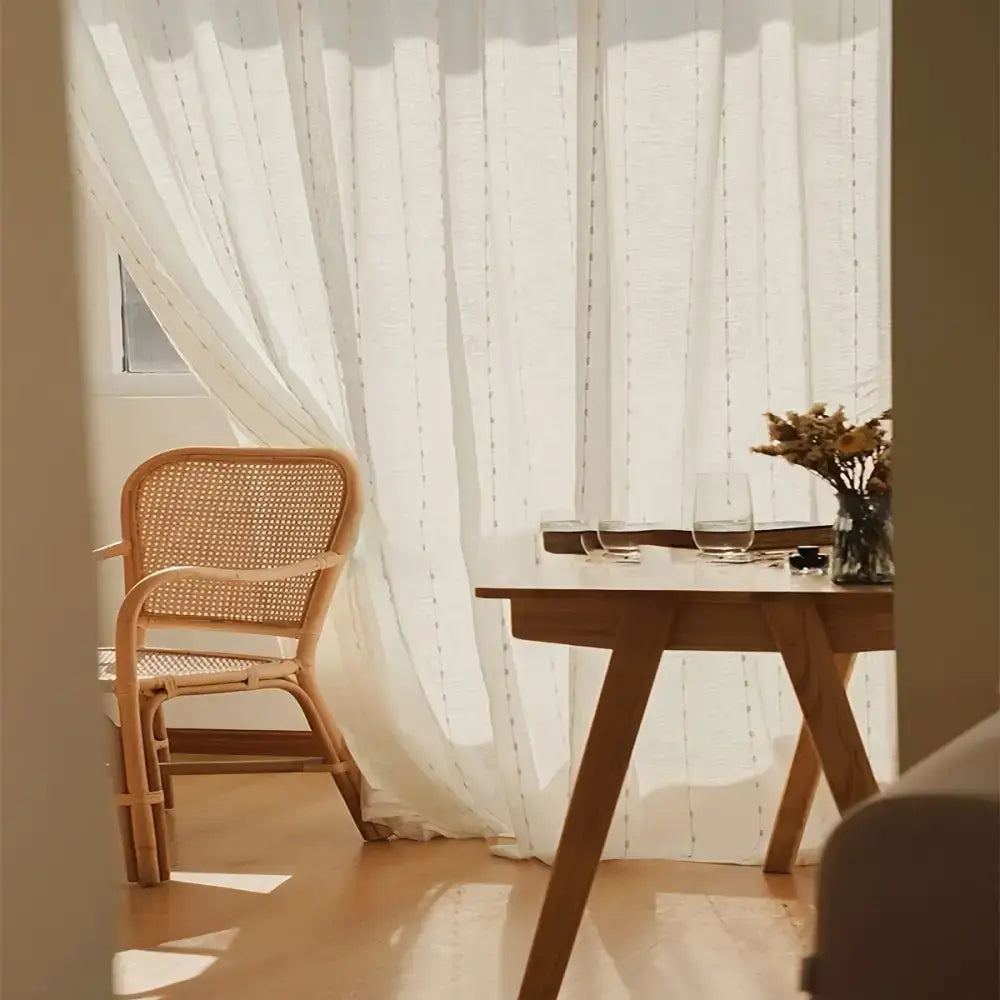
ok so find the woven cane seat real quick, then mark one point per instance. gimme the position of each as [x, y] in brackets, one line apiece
[159, 669]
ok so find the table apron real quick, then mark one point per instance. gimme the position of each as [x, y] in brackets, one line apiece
[855, 622]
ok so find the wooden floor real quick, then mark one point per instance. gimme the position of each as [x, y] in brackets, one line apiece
[275, 898]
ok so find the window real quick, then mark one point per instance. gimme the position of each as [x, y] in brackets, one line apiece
[135, 357]
[146, 349]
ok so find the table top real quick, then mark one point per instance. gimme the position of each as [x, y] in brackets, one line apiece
[662, 570]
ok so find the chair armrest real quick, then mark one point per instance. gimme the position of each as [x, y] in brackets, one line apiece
[111, 551]
[132, 605]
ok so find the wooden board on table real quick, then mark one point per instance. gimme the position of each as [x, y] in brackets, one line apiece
[779, 535]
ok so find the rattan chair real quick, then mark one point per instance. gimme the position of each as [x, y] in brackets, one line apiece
[230, 539]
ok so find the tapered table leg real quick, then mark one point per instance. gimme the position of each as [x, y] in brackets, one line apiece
[800, 790]
[818, 680]
[643, 634]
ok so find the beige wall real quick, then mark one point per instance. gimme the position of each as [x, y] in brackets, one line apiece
[125, 430]
[945, 289]
[55, 837]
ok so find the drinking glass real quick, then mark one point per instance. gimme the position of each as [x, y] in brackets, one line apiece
[561, 521]
[591, 545]
[617, 542]
[723, 516]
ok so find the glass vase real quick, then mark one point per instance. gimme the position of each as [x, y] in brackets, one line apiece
[862, 540]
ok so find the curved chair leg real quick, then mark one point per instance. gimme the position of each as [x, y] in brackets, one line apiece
[137, 797]
[149, 709]
[116, 766]
[163, 755]
[335, 751]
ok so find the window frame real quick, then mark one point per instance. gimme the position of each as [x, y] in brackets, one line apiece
[108, 374]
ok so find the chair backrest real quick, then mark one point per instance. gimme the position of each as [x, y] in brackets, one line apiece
[239, 508]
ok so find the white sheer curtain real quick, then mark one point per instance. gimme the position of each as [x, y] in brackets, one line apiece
[520, 256]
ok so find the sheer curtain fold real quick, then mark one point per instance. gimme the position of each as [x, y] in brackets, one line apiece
[520, 256]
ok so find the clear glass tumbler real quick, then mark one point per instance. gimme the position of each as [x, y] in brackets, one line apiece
[617, 541]
[723, 525]
[563, 527]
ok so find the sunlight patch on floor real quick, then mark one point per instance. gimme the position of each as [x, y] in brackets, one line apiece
[137, 971]
[242, 881]
[455, 939]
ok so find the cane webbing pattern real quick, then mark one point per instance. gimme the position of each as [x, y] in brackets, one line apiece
[236, 513]
[155, 665]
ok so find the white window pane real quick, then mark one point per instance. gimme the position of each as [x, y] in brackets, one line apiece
[145, 347]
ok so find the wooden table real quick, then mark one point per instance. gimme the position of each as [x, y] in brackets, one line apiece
[679, 601]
